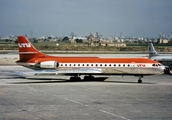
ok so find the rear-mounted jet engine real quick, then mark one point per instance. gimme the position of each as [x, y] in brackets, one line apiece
[48, 65]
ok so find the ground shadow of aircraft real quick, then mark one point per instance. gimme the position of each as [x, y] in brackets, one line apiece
[128, 82]
[58, 80]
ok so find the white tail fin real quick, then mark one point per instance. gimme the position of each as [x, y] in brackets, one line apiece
[152, 51]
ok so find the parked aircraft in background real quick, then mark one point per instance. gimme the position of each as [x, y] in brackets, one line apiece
[166, 60]
[76, 66]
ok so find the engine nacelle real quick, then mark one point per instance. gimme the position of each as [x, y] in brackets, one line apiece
[48, 65]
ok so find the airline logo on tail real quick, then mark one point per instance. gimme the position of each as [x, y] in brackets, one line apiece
[24, 45]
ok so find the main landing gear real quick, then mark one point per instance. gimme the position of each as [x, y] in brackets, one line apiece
[140, 76]
[76, 78]
[90, 77]
[86, 78]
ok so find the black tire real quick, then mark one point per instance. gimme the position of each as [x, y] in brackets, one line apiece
[139, 81]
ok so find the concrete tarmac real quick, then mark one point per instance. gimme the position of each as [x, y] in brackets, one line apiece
[56, 98]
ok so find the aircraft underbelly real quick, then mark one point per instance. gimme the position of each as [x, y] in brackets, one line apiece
[111, 71]
[130, 71]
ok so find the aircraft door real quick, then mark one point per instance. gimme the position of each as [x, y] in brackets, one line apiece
[133, 64]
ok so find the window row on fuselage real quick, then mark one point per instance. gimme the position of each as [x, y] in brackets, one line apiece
[107, 65]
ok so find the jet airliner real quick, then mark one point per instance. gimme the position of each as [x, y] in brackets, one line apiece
[166, 60]
[73, 66]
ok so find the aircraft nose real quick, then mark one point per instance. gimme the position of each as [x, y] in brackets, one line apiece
[162, 69]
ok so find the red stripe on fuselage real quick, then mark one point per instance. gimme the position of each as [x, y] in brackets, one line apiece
[89, 60]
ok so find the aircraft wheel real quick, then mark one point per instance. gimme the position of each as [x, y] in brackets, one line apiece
[92, 77]
[88, 78]
[75, 78]
[139, 81]
[78, 78]
[72, 78]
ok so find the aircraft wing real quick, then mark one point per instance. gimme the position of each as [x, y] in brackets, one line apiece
[79, 71]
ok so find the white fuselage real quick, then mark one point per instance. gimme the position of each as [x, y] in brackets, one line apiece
[101, 68]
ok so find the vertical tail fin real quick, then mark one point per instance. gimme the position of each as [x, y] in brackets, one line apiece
[152, 51]
[27, 50]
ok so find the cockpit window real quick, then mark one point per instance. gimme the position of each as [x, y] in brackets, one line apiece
[156, 65]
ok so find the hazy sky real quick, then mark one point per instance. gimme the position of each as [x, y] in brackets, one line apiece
[132, 18]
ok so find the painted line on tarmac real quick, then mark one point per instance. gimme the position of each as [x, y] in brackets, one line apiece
[115, 115]
[76, 102]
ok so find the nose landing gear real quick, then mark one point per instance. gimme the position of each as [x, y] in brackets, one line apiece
[140, 76]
